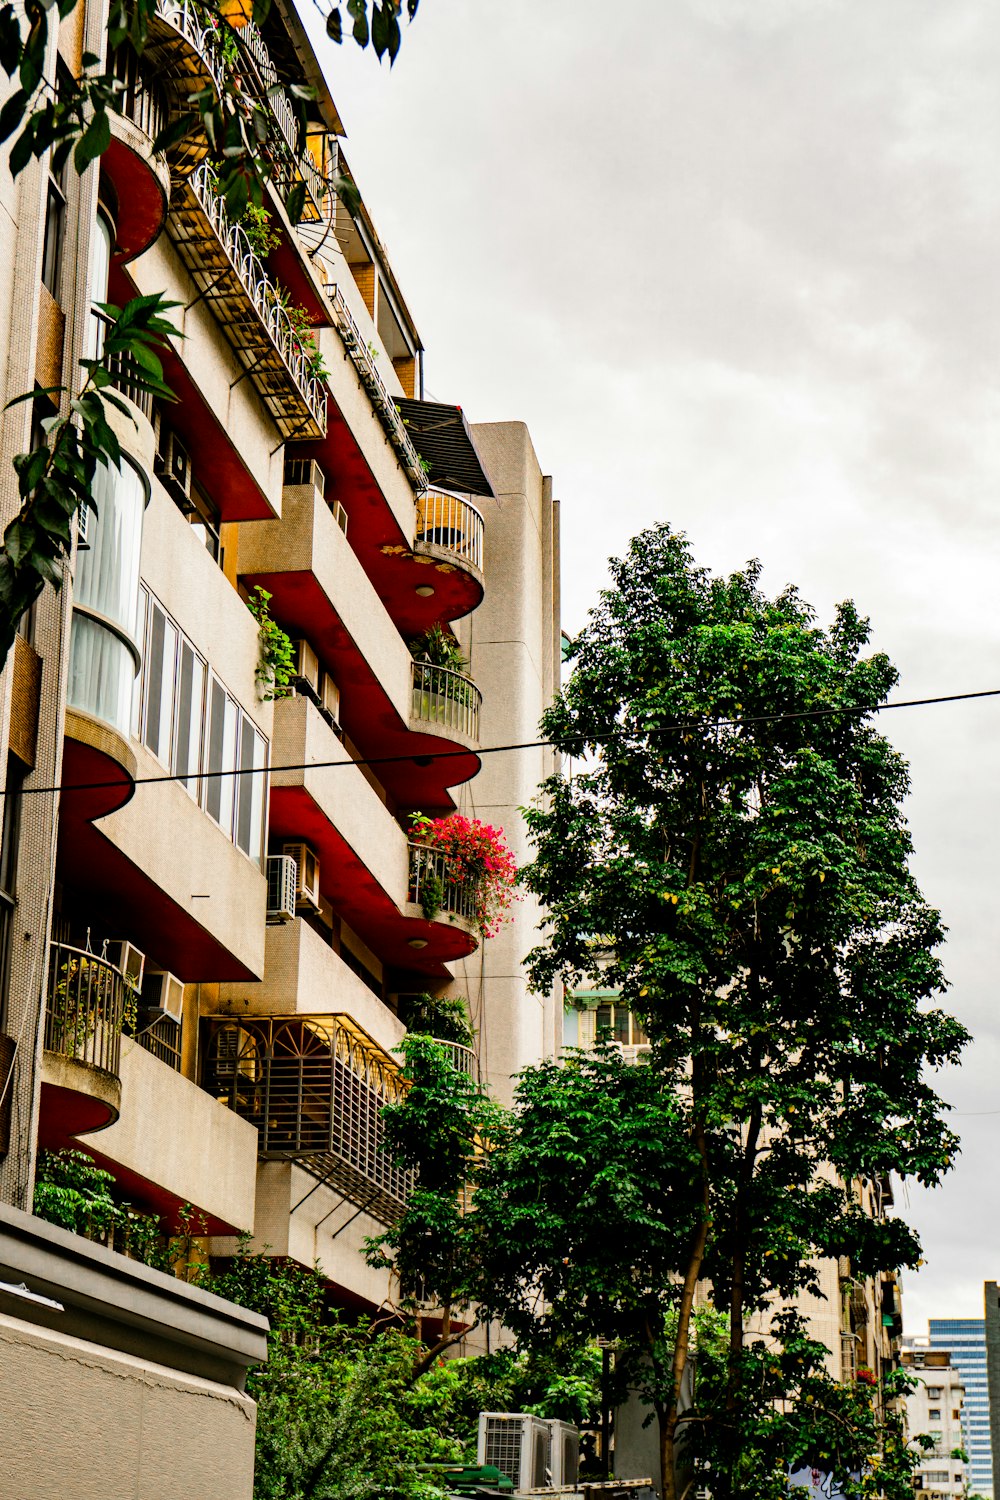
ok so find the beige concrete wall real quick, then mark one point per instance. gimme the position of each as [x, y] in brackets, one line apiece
[512, 641]
[308, 540]
[303, 974]
[178, 1137]
[166, 833]
[85, 1423]
[302, 736]
[214, 367]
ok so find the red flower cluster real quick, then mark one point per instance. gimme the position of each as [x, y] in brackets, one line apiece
[476, 853]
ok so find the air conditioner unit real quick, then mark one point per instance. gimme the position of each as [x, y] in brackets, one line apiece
[127, 959]
[637, 1053]
[306, 671]
[339, 515]
[306, 874]
[517, 1445]
[304, 471]
[163, 991]
[564, 1455]
[331, 698]
[173, 465]
[282, 883]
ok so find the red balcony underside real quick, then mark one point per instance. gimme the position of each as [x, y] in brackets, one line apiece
[358, 898]
[397, 573]
[101, 876]
[142, 207]
[369, 717]
[103, 783]
[64, 1113]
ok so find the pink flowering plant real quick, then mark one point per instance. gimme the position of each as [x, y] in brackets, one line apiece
[477, 855]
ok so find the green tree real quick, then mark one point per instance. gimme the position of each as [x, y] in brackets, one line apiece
[731, 826]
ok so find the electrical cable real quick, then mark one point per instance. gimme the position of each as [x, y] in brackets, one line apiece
[683, 726]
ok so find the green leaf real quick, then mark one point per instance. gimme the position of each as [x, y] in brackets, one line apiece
[335, 26]
[295, 202]
[12, 113]
[94, 142]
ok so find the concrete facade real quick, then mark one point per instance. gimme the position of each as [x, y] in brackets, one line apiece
[934, 1408]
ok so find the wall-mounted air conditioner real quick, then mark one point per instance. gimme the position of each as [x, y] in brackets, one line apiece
[639, 1052]
[306, 670]
[564, 1455]
[339, 515]
[128, 959]
[306, 876]
[517, 1445]
[282, 883]
[163, 991]
[331, 701]
[173, 464]
[304, 471]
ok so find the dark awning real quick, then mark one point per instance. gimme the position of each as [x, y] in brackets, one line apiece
[442, 436]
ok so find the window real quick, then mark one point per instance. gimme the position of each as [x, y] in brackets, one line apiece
[935, 1392]
[185, 715]
[9, 840]
[934, 1414]
[623, 1026]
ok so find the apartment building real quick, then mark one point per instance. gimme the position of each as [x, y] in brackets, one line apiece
[934, 1410]
[213, 928]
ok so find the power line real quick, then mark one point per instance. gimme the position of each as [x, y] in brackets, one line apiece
[683, 726]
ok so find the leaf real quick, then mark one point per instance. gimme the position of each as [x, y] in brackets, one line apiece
[176, 131]
[94, 142]
[23, 149]
[335, 26]
[10, 41]
[359, 10]
[380, 28]
[295, 202]
[12, 113]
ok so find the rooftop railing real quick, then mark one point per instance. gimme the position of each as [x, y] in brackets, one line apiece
[447, 699]
[87, 1003]
[452, 523]
[434, 887]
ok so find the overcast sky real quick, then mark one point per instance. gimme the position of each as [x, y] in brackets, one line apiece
[737, 265]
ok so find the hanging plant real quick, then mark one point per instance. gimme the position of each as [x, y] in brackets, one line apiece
[477, 855]
[276, 667]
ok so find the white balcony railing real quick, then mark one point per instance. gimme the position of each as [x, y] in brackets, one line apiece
[371, 378]
[262, 292]
[452, 523]
[433, 886]
[447, 699]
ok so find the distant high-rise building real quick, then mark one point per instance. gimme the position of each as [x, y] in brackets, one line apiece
[992, 1307]
[966, 1338]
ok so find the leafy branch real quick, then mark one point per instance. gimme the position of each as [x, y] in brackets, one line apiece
[276, 667]
[56, 478]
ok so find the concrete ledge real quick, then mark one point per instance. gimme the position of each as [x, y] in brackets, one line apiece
[119, 1304]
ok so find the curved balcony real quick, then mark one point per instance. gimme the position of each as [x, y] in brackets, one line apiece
[441, 576]
[435, 891]
[462, 1058]
[247, 305]
[185, 56]
[450, 528]
[140, 177]
[88, 1002]
[445, 702]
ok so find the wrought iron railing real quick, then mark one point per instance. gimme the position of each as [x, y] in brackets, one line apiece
[315, 1087]
[140, 100]
[371, 378]
[447, 699]
[263, 293]
[186, 18]
[452, 523]
[162, 1037]
[434, 887]
[87, 1003]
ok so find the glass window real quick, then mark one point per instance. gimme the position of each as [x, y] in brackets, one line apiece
[220, 793]
[55, 231]
[160, 679]
[251, 790]
[190, 717]
[101, 246]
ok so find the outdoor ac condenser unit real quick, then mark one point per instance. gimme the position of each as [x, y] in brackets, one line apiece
[306, 669]
[307, 874]
[163, 991]
[516, 1444]
[282, 883]
[339, 515]
[128, 959]
[564, 1455]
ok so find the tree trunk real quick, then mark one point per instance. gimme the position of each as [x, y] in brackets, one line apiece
[668, 1423]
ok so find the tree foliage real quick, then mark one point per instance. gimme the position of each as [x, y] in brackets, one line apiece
[732, 844]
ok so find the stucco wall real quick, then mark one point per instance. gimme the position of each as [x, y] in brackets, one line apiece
[84, 1423]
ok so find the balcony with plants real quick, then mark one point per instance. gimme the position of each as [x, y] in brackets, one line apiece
[445, 701]
[89, 1003]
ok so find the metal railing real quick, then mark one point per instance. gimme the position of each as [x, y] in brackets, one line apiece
[87, 1002]
[140, 100]
[447, 699]
[371, 378]
[434, 887]
[315, 1087]
[186, 18]
[262, 292]
[462, 1058]
[449, 522]
[162, 1037]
